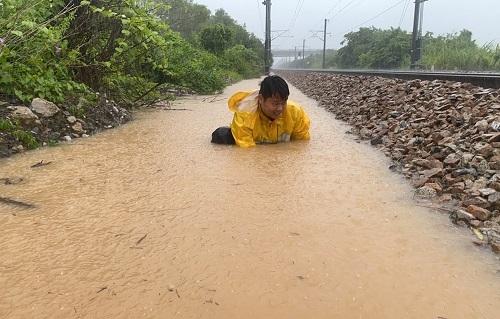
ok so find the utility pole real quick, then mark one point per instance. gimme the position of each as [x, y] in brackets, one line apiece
[267, 59]
[416, 40]
[303, 52]
[324, 43]
[295, 56]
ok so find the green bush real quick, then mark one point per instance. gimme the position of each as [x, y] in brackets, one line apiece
[26, 138]
[6, 125]
[243, 60]
[32, 63]
[54, 49]
[459, 52]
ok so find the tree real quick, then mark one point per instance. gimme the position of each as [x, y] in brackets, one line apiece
[185, 17]
[375, 48]
[216, 38]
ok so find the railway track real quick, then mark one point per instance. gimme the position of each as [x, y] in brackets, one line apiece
[486, 80]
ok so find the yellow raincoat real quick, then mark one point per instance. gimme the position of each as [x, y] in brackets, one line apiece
[250, 126]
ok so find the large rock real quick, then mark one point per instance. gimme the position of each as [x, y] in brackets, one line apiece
[78, 128]
[23, 114]
[477, 201]
[484, 149]
[463, 215]
[426, 192]
[482, 125]
[495, 162]
[433, 172]
[478, 212]
[44, 108]
[452, 159]
[494, 138]
[494, 200]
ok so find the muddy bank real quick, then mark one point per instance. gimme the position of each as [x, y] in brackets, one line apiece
[43, 123]
[443, 136]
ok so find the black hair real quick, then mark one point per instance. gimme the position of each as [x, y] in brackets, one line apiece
[274, 85]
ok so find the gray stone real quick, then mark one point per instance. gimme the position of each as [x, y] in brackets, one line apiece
[78, 128]
[494, 199]
[23, 114]
[425, 192]
[464, 171]
[477, 201]
[463, 215]
[71, 119]
[482, 125]
[495, 162]
[480, 183]
[452, 159]
[44, 108]
[487, 191]
[433, 172]
[494, 138]
[19, 148]
[467, 158]
[422, 162]
[484, 149]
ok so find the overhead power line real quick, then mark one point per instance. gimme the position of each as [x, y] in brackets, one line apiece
[403, 15]
[376, 16]
[260, 17]
[345, 7]
[298, 9]
[333, 8]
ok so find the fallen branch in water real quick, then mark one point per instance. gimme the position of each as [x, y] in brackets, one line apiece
[39, 164]
[142, 238]
[213, 99]
[170, 109]
[11, 181]
[102, 289]
[448, 210]
[10, 201]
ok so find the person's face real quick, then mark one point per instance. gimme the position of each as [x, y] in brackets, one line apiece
[272, 106]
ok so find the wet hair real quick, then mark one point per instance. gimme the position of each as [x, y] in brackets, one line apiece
[274, 85]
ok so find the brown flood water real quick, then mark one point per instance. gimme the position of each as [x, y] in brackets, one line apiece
[152, 221]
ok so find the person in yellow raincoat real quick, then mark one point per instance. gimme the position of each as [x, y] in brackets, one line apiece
[264, 117]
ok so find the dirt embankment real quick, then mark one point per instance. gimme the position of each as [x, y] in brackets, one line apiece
[44, 123]
[443, 136]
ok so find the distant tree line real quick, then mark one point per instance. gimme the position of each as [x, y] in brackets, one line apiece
[373, 48]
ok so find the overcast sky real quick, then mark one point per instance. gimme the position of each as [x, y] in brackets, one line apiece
[482, 17]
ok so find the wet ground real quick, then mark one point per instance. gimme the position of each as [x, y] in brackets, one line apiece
[150, 220]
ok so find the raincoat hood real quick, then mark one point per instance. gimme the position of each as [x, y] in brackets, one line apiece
[244, 102]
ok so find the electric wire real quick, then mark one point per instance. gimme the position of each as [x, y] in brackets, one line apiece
[403, 14]
[260, 17]
[376, 16]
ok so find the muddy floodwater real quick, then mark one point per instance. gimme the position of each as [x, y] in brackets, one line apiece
[150, 220]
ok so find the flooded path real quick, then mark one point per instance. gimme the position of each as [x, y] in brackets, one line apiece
[152, 221]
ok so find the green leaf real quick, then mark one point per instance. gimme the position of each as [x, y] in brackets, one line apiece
[16, 32]
[27, 23]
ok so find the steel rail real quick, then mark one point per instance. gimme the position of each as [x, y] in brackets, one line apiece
[486, 80]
